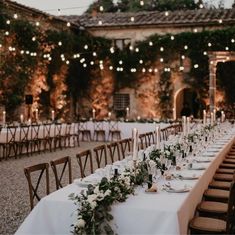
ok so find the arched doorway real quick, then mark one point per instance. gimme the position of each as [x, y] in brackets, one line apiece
[186, 96]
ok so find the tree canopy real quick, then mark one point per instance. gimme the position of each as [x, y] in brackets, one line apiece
[144, 5]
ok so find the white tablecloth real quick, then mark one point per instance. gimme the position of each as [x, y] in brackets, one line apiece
[160, 213]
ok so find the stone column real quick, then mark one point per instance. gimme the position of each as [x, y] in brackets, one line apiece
[212, 84]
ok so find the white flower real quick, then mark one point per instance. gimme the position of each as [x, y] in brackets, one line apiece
[91, 198]
[96, 190]
[167, 153]
[93, 204]
[107, 192]
[80, 223]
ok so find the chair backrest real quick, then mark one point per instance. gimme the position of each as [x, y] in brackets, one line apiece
[33, 188]
[113, 125]
[34, 132]
[231, 209]
[143, 141]
[101, 156]
[58, 166]
[149, 138]
[82, 126]
[98, 125]
[85, 162]
[125, 145]
[113, 151]
[68, 129]
[11, 134]
[24, 133]
[46, 131]
[57, 129]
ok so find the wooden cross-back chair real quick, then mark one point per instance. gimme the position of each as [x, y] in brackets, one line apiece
[149, 138]
[68, 135]
[42, 169]
[23, 142]
[47, 138]
[99, 132]
[114, 151]
[85, 132]
[85, 163]
[9, 145]
[35, 143]
[143, 141]
[57, 135]
[101, 156]
[209, 225]
[65, 163]
[125, 146]
[114, 131]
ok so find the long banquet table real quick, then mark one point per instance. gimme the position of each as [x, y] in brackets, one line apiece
[142, 213]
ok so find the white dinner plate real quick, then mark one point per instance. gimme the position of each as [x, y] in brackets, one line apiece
[203, 159]
[182, 190]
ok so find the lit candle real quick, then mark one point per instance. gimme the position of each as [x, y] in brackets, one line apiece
[188, 125]
[222, 116]
[21, 118]
[157, 137]
[138, 118]
[29, 121]
[4, 117]
[52, 115]
[36, 115]
[214, 114]
[204, 117]
[127, 112]
[93, 113]
[212, 118]
[135, 143]
[184, 125]
[109, 115]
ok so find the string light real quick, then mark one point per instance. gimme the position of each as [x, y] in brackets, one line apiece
[94, 53]
[185, 47]
[141, 3]
[101, 8]
[161, 59]
[204, 53]
[226, 48]
[86, 47]
[196, 66]
[220, 21]
[181, 68]
[209, 44]
[155, 70]
[195, 30]
[131, 48]
[141, 61]
[37, 23]
[132, 19]
[60, 44]
[33, 39]
[232, 40]
[201, 6]
[143, 70]
[68, 24]
[112, 50]
[150, 43]
[136, 49]
[92, 62]
[100, 22]
[110, 67]
[172, 37]
[84, 65]
[120, 62]
[161, 49]
[15, 16]
[7, 33]
[8, 22]
[166, 13]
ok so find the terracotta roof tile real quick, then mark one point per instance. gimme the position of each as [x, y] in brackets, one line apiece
[186, 17]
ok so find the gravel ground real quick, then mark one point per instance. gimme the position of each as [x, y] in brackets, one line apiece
[14, 196]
